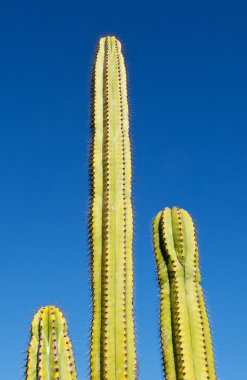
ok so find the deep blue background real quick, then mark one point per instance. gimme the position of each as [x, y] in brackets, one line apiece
[187, 88]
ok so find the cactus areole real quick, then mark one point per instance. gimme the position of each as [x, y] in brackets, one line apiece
[113, 354]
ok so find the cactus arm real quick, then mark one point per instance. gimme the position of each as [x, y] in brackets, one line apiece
[50, 352]
[112, 338]
[179, 308]
[193, 350]
[165, 306]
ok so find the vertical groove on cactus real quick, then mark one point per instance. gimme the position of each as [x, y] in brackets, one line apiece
[185, 332]
[165, 306]
[113, 353]
[50, 353]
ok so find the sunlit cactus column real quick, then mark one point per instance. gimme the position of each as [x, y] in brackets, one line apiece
[113, 354]
[184, 327]
[49, 355]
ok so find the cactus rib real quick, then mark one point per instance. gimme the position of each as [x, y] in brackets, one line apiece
[165, 305]
[50, 355]
[113, 353]
[185, 332]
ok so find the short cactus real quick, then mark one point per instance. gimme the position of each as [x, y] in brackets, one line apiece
[113, 354]
[50, 355]
[184, 327]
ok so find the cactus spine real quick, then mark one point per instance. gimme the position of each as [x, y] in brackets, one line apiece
[50, 355]
[184, 327]
[113, 354]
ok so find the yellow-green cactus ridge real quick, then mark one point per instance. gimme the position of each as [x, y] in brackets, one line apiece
[184, 327]
[112, 353]
[49, 355]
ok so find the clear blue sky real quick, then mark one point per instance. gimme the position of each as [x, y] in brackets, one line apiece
[188, 91]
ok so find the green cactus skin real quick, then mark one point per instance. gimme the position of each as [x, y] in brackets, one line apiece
[184, 327]
[113, 353]
[49, 355]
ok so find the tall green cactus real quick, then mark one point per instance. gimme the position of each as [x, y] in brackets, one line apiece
[113, 354]
[50, 355]
[184, 327]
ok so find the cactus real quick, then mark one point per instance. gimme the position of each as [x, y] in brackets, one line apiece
[50, 353]
[184, 328]
[112, 354]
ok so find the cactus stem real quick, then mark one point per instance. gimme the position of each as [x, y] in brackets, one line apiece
[185, 329]
[112, 337]
[50, 352]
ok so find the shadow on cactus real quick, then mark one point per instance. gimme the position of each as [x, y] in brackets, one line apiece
[185, 333]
